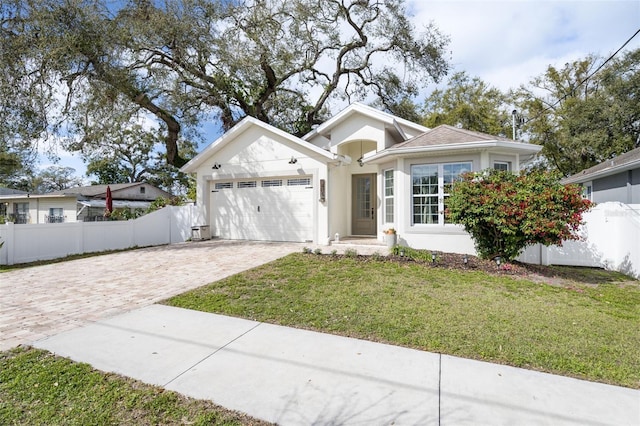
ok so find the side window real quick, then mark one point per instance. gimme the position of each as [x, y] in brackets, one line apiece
[504, 166]
[587, 191]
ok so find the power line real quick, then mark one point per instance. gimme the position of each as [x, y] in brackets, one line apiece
[587, 77]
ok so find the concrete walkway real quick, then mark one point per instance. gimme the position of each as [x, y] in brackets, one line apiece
[298, 377]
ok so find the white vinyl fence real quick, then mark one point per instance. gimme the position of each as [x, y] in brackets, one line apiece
[28, 243]
[610, 239]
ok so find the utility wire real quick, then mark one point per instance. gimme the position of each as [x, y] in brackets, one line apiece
[586, 78]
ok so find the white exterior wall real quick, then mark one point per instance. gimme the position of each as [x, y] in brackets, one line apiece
[254, 154]
[356, 129]
[69, 206]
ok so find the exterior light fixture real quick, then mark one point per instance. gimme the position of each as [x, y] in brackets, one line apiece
[433, 257]
[293, 160]
[402, 252]
[465, 260]
[360, 162]
[216, 166]
[498, 260]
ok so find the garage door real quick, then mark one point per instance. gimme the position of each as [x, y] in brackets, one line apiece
[274, 209]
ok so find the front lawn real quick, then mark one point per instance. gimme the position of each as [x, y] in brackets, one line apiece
[38, 388]
[565, 324]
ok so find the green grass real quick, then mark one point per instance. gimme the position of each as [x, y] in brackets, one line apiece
[38, 388]
[574, 328]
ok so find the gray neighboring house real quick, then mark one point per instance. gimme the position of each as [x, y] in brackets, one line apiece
[617, 179]
[92, 199]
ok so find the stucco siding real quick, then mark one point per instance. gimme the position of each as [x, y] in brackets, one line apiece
[69, 206]
[611, 188]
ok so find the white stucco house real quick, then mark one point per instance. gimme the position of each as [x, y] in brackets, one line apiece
[357, 174]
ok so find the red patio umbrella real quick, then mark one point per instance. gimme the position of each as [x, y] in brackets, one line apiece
[109, 202]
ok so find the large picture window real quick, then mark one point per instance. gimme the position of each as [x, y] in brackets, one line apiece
[431, 184]
[388, 196]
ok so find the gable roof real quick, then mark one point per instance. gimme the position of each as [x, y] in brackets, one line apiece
[238, 129]
[445, 138]
[100, 191]
[628, 161]
[358, 108]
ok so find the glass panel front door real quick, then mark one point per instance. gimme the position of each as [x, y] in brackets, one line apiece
[363, 211]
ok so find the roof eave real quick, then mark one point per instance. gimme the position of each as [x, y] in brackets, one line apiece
[518, 146]
[580, 178]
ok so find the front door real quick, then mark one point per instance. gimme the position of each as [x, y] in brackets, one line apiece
[363, 206]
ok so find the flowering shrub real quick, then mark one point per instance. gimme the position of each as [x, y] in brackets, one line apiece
[505, 212]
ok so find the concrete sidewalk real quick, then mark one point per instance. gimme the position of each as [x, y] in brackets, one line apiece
[298, 377]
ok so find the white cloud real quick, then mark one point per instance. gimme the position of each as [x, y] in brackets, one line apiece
[506, 43]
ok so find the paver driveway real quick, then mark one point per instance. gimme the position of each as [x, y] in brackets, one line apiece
[40, 301]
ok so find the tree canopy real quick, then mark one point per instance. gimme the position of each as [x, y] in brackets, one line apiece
[79, 69]
[581, 118]
[471, 103]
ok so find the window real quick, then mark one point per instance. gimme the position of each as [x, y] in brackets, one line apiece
[224, 185]
[431, 184]
[142, 189]
[56, 215]
[21, 212]
[587, 191]
[299, 182]
[388, 196]
[247, 184]
[504, 166]
[272, 182]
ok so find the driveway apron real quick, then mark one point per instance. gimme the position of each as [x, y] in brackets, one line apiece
[41, 301]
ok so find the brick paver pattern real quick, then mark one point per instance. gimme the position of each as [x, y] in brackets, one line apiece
[37, 302]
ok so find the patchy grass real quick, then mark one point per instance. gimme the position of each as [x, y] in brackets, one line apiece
[583, 325]
[38, 388]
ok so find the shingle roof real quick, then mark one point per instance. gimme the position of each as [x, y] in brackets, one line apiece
[95, 190]
[628, 160]
[447, 135]
[8, 191]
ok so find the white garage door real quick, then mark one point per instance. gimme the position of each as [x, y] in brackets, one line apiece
[273, 209]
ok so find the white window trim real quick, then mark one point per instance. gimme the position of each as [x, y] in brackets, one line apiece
[441, 194]
[507, 163]
[588, 194]
[385, 197]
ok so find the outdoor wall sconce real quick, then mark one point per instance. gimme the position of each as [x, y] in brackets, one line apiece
[323, 191]
[216, 166]
[293, 160]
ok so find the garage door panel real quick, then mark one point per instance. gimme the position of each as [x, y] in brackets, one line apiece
[273, 213]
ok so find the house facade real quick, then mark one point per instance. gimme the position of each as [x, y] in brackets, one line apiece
[91, 200]
[84, 204]
[24, 208]
[617, 179]
[361, 172]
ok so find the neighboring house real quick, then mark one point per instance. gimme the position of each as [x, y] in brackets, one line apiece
[22, 207]
[85, 203]
[91, 200]
[617, 179]
[357, 174]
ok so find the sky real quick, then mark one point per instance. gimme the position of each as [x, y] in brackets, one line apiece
[507, 43]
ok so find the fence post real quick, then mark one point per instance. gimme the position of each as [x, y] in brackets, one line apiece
[132, 232]
[10, 243]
